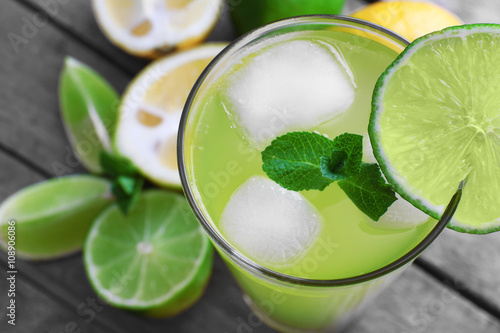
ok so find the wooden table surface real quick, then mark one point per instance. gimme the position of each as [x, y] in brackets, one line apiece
[453, 287]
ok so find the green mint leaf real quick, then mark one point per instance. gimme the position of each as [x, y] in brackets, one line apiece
[126, 201]
[333, 167]
[309, 161]
[293, 160]
[369, 191]
[89, 111]
[114, 165]
[352, 146]
[127, 183]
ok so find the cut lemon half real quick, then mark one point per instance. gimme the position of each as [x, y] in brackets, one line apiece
[149, 28]
[435, 122]
[151, 110]
[156, 260]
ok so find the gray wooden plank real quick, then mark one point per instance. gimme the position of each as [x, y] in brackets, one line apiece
[77, 18]
[417, 303]
[38, 312]
[14, 176]
[30, 123]
[353, 5]
[471, 261]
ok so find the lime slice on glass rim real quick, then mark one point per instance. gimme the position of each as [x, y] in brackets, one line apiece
[155, 260]
[435, 122]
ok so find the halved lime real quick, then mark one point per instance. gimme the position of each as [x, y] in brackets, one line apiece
[156, 260]
[51, 219]
[436, 121]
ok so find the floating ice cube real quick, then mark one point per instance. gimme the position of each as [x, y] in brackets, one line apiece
[269, 223]
[292, 85]
[402, 215]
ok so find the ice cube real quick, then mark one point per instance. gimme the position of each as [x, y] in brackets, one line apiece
[292, 85]
[269, 223]
[402, 215]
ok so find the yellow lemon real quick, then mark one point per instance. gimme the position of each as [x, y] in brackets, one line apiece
[151, 110]
[150, 28]
[410, 19]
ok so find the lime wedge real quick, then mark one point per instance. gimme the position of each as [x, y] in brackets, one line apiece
[52, 218]
[88, 109]
[156, 260]
[436, 121]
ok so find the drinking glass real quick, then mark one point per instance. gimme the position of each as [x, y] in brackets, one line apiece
[290, 303]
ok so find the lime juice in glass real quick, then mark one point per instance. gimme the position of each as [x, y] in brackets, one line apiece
[306, 260]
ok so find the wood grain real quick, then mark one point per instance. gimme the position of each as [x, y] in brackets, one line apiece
[30, 121]
[78, 20]
[38, 312]
[416, 303]
[471, 263]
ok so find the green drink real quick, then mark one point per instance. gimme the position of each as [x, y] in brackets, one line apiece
[305, 260]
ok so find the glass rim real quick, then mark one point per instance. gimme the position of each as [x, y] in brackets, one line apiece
[234, 254]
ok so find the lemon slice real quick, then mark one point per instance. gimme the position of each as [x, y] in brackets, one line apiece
[151, 109]
[149, 28]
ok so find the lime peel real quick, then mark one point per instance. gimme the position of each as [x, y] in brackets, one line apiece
[149, 257]
[426, 110]
[53, 217]
[87, 104]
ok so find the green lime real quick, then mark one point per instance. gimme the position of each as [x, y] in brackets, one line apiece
[436, 121]
[248, 15]
[51, 219]
[89, 111]
[156, 260]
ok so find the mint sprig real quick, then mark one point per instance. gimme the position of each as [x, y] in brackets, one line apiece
[369, 191]
[309, 161]
[126, 182]
[294, 161]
